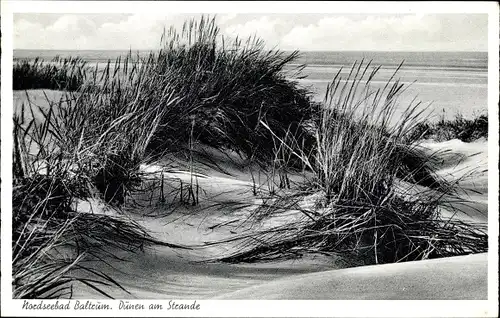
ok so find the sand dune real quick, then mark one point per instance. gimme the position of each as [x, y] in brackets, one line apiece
[165, 273]
[463, 277]
[466, 164]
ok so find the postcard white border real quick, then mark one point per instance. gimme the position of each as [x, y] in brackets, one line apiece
[255, 308]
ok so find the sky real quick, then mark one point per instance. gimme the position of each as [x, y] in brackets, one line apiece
[305, 32]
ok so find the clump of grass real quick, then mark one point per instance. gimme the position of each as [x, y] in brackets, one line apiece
[369, 180]
[112, 119]
[52, 240]
[461, 128]
[199, 88]
[57, 161]
[59, 74]
[41, 226]
[196, 89]
[44, 226]
[226, 88]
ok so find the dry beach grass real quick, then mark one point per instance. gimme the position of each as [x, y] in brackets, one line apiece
[205, 152]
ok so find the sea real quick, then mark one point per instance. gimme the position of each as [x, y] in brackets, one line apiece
[446, 83]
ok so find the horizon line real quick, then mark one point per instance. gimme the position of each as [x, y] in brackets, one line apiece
[284, 50]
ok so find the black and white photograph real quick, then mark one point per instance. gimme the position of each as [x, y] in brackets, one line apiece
[179, 157]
